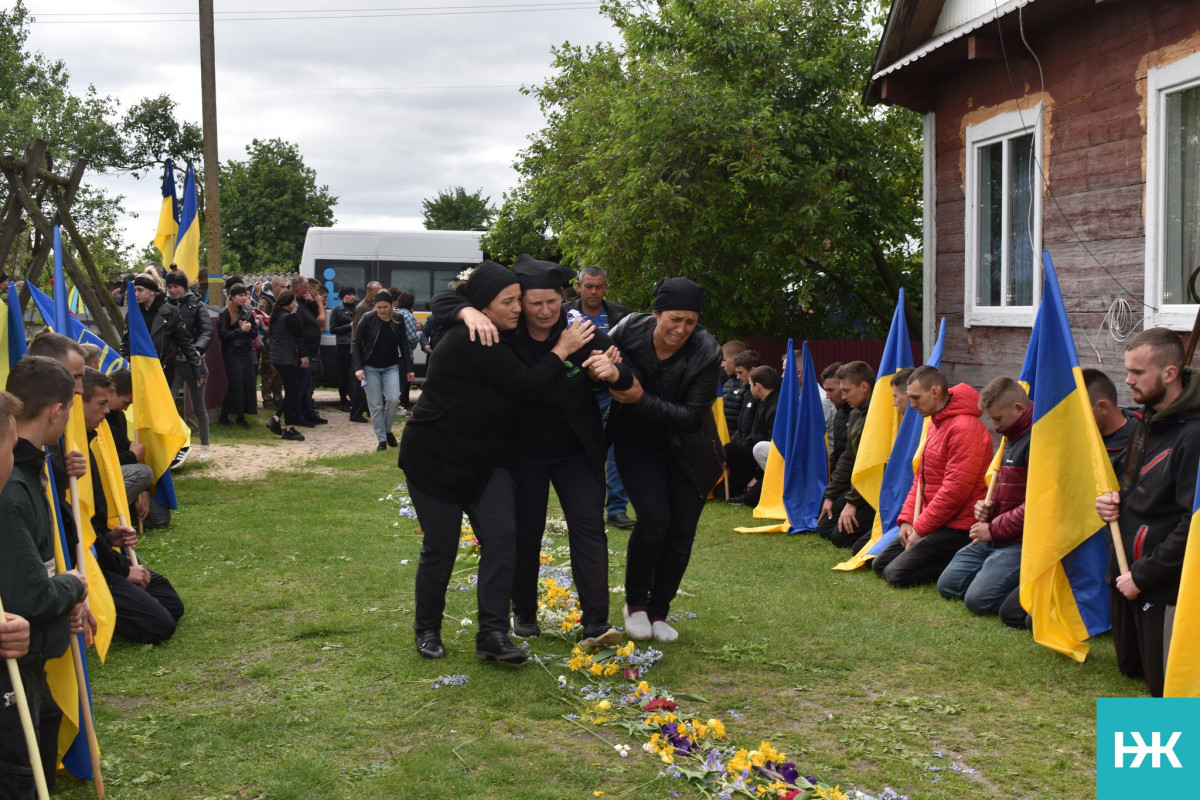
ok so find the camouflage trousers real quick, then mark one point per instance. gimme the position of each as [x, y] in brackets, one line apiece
[272, 383]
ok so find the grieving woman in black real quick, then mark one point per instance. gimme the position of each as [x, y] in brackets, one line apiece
[235, 326]
[666, 444]
[288, 356]
[456, 454]
[561, 442]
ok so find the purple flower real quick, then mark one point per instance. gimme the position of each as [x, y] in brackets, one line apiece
[788, 773]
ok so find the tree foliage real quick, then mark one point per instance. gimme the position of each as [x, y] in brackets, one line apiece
[725, 140]
[455, 210]
[268, 202]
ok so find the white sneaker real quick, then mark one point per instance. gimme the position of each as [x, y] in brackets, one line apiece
[204, 454]
[637, 624]
[663, 632]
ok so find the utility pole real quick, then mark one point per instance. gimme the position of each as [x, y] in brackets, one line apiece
[212, 168]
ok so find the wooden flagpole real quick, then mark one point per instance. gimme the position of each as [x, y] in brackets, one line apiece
[35, 757]
[85, 704]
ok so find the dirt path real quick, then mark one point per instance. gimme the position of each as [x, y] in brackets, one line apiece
[239, 461]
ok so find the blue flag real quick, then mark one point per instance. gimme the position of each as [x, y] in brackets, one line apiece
[110, 359]
[806, 458]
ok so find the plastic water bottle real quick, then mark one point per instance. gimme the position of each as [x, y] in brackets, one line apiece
[573, 318]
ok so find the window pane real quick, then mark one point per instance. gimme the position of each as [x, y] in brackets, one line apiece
[991, 231]
[336, 274]
[1182, 235]
[1020, 243]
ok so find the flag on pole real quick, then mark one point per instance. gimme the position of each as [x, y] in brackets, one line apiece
[1064, 552]
[12, 334]
[157, 423]
[110, 359]
[899, 472]
[187, 245]
[168, 217]
[770, 503]
[108, 464]
[1183, 659]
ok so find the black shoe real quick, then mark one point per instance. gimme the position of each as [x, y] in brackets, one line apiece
[224, 421]
[495, 646]
[525, 627]
[293, 435]
[602, 635]
[274, 427]
[391, 440]
[429, 644]
[318, 420]
[242, 421]
[347, 407]
[180, 457]
[620, 520]
[736, 500]
[359, 418]
[381, 448]
[304, 423]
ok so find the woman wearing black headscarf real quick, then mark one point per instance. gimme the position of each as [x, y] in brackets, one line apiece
[456, 452]
[666, 444]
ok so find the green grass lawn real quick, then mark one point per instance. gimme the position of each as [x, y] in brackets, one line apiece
[293, 674]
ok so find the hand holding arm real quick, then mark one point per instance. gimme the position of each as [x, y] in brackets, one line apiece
[573, 338]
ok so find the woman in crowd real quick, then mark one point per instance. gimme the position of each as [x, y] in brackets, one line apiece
[235, 327]
[287, 356]
[666, 444]
[404, 312]
[456, 453]
[379, 352]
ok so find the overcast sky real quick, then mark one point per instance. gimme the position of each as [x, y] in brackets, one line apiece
[389, 101]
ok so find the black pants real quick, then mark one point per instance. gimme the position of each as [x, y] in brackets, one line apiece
[145, 615]
[739, 457]
[581, 492]
[493, 518]
[921, 563]
[16, 773]
[1146, 628]
[1014, 615]
[239, 393]
[358, 401]
[828, 527]
[344, 377]
[288, 409]
[668, 509]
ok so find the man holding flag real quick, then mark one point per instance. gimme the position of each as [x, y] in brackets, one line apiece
[1154, 504]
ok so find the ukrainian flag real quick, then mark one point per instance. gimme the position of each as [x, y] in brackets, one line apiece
[159, 428]
[1183, 659]
[899, 472]
[168, 217]
[104, 448]
[187, 247]
[110, 359]
[1064, 553]
[12, 334]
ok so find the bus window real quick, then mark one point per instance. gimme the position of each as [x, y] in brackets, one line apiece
[413, 279]
[444, 278]
[336, 274]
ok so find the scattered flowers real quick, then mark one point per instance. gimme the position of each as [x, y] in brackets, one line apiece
[450, 680]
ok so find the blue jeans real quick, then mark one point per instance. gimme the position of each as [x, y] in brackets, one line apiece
[618, 501]
[383, 397]
[982, 574]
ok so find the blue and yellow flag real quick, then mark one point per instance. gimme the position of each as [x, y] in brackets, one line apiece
[1064, 553]
[110, 359]
[187, 245]
[168, 217]
[157, 423]
[899, 472]
[770, 503]
[1183, 659]
[108, 463]
[12, 334]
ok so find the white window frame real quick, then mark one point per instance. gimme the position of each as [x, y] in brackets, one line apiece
[997, 129]
[1160, 82]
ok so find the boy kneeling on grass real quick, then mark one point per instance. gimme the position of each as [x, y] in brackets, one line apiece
[53, 604]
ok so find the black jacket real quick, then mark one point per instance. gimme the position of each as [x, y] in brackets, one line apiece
[195, 316]
[764, 418]
[1158, 486]
[841, 424]
[27, 545]
[233, 338]
[734, 394]
[168, 333]
[679, 395]
[341, 320]
[366, 334]
[287, 339]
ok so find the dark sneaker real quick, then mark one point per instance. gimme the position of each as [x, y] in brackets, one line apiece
[525, 627]
[293, 435]
[620, 520]
[274, 427]
[391, 440]
[319, 420]
[381, 448]
[180, 457]
[495, 646]
[601, 636]
[359, 418]
[429, 644]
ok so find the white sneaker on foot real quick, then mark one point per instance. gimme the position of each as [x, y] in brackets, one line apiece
[637, 624]
[663, 632]
[204, 454]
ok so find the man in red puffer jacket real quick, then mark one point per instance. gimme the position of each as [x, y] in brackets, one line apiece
[949, 482]
[984, 572]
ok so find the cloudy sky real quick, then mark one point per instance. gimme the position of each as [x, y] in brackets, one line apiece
[389, 101]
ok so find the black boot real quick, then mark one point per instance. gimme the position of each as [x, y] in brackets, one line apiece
[525, 626]
[495, 646]
[429, 644]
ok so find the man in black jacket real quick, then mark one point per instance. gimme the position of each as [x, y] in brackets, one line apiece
[169, 335]
[846, 517]
[310, 311]
[341, 320]
[197, 320]
[1154, 504]
[593, 285]
[745, 469]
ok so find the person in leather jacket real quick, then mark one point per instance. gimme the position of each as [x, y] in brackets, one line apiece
[195, 316]
[237, 330]
[666, 444]
[170, 336]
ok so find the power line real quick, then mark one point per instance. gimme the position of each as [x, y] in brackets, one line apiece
[118, 17]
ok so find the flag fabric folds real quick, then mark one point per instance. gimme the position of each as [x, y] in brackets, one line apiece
[157, 423]
[12, 334]
[108, 463]
[110, 359]
[1183, 659]
[187, 244]
[770, 503]
[1064, 553]
[168, 216]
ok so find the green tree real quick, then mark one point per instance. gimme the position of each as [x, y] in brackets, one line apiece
[268, 202]
[725, 140]
[455, 210]
[521, 226]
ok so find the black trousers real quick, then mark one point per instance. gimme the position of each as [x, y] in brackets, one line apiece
[239, 392]
[1014, 615]
[358, 400]
[1141, 634]
[344, 377]
[145, 615]
[493, 518]
[921, 563]
[581, 492]
[16, 773]
[739, 458]
[668, 509]
[288, 409]
[828, 527]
